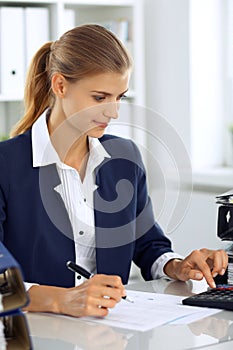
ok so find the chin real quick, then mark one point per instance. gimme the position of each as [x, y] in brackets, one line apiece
[96, 133]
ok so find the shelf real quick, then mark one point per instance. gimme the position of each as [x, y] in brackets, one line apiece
[121, 3]
[213, 180]
[99, 2]
[28, 2]
[64, 15]
[221, 177]
[4, 98]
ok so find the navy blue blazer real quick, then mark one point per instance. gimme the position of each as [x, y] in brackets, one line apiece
[35, 227]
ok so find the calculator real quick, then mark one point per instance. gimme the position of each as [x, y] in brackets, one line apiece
[219, 298]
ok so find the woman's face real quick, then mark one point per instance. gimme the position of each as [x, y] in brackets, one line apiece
[90, 103]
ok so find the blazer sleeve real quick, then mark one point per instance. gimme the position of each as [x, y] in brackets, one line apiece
[151, 242]
[4, 190]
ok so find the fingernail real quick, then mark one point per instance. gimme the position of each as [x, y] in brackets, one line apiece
[213, 285]
[223, 271]
[198, 275]
[215, 274]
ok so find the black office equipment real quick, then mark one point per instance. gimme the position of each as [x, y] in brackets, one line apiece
[225, 216]
[225, 232]
[219, 298]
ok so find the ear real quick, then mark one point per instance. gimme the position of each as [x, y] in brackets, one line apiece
[58, 85]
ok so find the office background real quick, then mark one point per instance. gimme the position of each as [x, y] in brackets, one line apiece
[183, 52]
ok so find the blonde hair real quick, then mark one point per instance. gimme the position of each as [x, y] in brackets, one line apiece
[82, 51]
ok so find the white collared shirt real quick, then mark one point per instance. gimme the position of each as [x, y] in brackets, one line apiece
[78, 196]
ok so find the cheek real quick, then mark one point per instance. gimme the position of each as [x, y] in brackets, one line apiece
[75, 103]
[71, 106]
[83, 119]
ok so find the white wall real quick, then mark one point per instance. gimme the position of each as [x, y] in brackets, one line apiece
[198, 228]
[10, 112]
[207, 74]
[167, 62]
[168, 92]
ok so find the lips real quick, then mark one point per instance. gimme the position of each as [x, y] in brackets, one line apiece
[101, 124]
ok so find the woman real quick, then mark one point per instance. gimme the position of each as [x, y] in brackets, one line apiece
[69, 192]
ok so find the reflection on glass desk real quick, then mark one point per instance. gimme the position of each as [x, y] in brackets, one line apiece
[66, 333]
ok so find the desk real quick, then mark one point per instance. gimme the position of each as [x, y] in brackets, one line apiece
[60, 333]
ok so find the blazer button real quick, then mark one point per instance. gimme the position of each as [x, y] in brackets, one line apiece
[81, 233]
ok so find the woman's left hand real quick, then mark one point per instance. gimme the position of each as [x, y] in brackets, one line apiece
[200, 263]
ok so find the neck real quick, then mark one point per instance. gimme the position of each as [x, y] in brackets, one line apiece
[71, 146]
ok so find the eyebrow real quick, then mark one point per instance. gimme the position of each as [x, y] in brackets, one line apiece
[107, 93]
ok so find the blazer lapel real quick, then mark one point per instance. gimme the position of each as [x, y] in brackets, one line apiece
[53, 203]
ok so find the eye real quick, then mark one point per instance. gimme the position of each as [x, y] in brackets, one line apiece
[122, 97]
[99, 98]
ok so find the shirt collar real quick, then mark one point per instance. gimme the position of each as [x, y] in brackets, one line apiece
[43, 152]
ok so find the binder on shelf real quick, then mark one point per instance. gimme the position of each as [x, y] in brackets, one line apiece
[36, 21]
[13, 325]
[14, 332]
[120, 28]
[123, 30]
[12, 288]
[12, 51]
[69, 20]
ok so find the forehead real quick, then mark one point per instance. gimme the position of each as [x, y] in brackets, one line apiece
[105, 81]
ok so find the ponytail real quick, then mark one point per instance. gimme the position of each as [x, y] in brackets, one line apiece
[37, 93]
[83, 51]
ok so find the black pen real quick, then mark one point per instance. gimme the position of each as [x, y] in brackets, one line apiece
[86, 274]
[79, 269]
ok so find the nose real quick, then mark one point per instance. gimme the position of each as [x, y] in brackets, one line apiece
[111, 110]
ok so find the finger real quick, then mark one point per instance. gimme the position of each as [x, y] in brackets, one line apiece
[99, 287]
[97, 306]
[106, 303]
[225, 260]
[194, 274]
[197, 260]
[90, 307]
[97, 311]
[113, 282]
[220, 263]
[113, 293]
[205, 270]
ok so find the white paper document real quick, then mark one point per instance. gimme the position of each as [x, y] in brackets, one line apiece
[150, 310]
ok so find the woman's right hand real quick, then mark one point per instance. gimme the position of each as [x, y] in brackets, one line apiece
[92, 298]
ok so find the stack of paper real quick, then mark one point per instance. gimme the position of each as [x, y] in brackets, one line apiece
[230, 265]
[225, 229]
[150, 310]
[225, 198]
